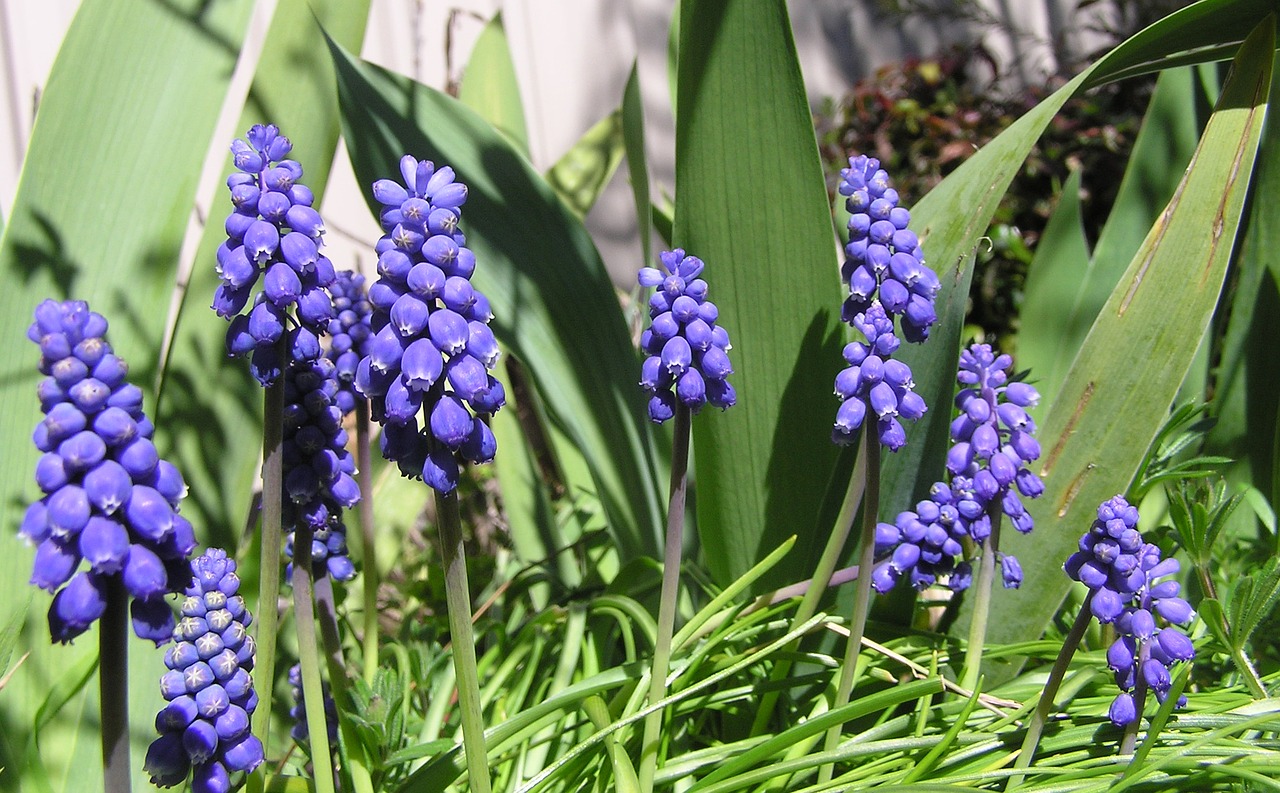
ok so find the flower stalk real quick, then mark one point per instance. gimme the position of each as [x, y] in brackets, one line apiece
[983, 586]
[670, 594]
[308, 656]
[458, 598]
[113, 681]
[269, 558]
[862, 593]
[1059, 671]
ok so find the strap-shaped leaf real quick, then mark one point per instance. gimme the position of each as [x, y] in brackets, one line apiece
[1114, 397]
[750, 201]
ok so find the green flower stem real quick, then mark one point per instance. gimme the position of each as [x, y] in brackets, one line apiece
[369, 573]
[269, 562]
[1036, 727]
[304, 618]
[670, 592]
[982, 589]
[862, 592]
[831, 556]
[458, 596]
[354, 762]
[113, 685]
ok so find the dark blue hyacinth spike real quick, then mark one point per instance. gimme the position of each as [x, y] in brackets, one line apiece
[687, 351]
[426, 373]
[1127, 580]
[318, 470]
[884, 261]
[274, 236]
[349, 334]
[875, 382]
[204, 728]
[110, 504]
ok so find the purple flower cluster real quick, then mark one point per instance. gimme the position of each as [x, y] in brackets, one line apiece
[318, 469]
[687, 351]
[993, 434]
[884, 261]
[432, 346]
[109, 500]
[876, 380]
[205, 726]
[987, 464]
[1123, 574]
[887, 278]
[349, 334]
[272, 232]
[923, 545]
[298, 712]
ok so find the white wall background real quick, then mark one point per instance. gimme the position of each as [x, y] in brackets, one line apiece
[572, 59]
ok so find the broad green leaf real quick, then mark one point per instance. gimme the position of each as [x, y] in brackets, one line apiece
[1065, 289]
[637, 160]
[65, 688]
[101, 209]
[582, 173]
[489, 85]
[526, 498]
[553, 303]
[1247, 383]
[1115, 396]
[1053, 279]
[292, 89]
[751, 202]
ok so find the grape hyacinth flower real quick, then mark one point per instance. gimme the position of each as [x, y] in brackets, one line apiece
[687, 351]
[994, 436]
[876, 381]
[1123, 574]
[884, 261]
[318, 469]
[204, 728]
[349, 334]
[109, 500]
[273, 232]
[298, 711]
[432, 348]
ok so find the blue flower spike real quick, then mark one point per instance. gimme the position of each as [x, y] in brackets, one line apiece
[1127, 580]
[687, 352]
[204, 728]
[274, 236]
[110, 503]
[426, 373]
